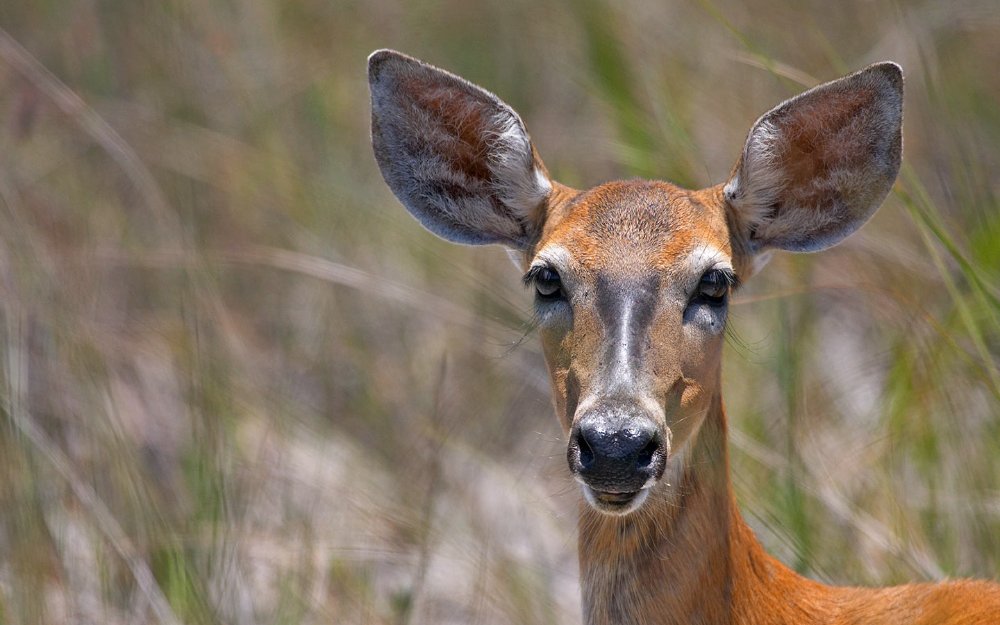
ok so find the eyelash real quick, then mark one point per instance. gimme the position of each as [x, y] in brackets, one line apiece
[724, 278]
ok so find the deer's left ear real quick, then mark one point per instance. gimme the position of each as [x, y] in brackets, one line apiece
[816, 167]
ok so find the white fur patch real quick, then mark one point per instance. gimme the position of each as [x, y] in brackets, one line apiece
[555, 256]
[759, 181]
[520, 185]
[705, 256]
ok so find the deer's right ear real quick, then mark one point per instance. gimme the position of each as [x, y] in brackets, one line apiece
[457, 157]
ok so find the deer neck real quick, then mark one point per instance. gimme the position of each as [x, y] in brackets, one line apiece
[686, 556]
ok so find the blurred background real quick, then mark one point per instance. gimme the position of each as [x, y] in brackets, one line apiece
[239, 384]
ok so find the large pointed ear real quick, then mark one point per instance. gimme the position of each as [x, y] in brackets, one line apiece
[816, 167]
[458, 158]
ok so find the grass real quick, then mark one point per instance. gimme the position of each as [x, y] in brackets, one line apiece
[239, 384]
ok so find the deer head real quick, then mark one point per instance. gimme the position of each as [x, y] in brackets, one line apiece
[632, 279]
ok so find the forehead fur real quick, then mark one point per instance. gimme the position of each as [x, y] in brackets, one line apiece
[637, 224]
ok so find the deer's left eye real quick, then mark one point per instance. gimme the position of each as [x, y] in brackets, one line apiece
[714, 287]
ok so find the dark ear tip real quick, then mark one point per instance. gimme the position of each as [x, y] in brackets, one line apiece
[378, 59]
[888, 71]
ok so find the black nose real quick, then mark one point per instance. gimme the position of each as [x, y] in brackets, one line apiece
[616, 450]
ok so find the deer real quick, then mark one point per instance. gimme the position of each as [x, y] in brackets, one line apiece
[632, 283]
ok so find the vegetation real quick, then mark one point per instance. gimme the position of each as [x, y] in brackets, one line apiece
[238, 384]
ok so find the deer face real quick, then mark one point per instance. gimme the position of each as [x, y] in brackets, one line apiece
[631, 284]
[632, 279]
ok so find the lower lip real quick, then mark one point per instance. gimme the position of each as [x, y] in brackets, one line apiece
[615, 498]
[615, 503]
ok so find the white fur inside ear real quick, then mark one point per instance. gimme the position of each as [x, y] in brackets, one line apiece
[520, 185]
[759, 181]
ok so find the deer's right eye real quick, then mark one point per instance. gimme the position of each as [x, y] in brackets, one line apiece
[548, 285]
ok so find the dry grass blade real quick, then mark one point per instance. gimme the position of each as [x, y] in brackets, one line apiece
[71, 105]
[14, 404]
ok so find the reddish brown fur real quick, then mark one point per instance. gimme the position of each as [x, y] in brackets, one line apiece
[466, 141]
[687, 556]
[623, 229]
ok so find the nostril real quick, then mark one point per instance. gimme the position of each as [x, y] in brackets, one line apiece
[645, 457]
[586, 453]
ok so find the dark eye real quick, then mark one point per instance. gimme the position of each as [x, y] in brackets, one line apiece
[548, 286]
[714, 287]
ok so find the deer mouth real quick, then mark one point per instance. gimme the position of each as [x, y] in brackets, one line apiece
[615, 503]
